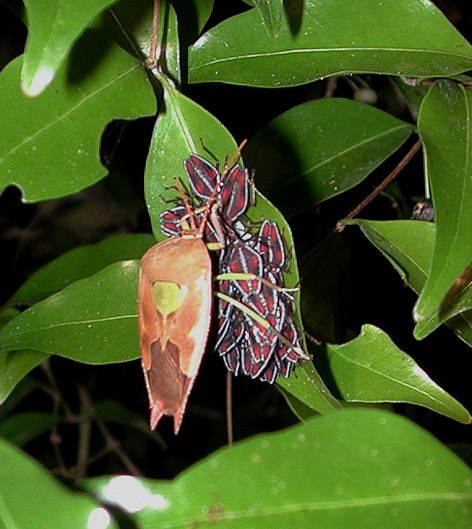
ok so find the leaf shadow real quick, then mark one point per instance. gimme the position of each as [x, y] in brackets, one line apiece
[87, 56]
[294, 12]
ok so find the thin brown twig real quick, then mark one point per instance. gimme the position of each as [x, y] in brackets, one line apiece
[112, 444]
[85, 430]
[57, 402]
[154, 34]
[115, 447]
[331, 86]
[409, 155]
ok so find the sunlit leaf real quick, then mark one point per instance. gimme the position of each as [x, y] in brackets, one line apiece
[445, 114]
[306, 387]
[53, 27]
[408, 245]
[271, 12]
[21, 428]
[102, 84]
[92, 320]
[358, 469]
[79, 263]
[331, 37]
[320, 149]
[192, 15]
[371, 368]
[14, 366]
[130, 25]
[32, 498]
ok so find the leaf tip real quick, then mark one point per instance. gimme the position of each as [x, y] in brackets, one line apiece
[41, 79]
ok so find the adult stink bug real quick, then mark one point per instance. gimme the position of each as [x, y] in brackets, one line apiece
[174, 312]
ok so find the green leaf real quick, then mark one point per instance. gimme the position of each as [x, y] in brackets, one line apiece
[331, 37]
[271, 13]
[21, 428]
[306, 386]
[412, 92]
[92, 320]
[130, 25]
[462, 326]
[31, 498]
[455, 310]
[53, 27]
[79, 263]
[371, 368]
[192, 16]
[320, 149]
[408, 245]
[14, 366]
[26, 386]
[51, 149]
[356, 469]
[183, 128]
[445, 114]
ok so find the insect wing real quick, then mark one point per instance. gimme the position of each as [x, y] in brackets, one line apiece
[202, 175]
[244, 259]
[174, 314]
[171, 220]
[235, 193]
[270, 244]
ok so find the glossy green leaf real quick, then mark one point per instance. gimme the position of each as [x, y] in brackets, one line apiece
[356, 469]
[299, 408]
[305, 386]
[53, 27]
[183, 128]
[7, 313]
[130, 25]
[331, 37]
[21, 428]
[14, 366]
[320, 149]
[26, 386]
[371, 368]
[31, 498]
[79, 263]
[445, 114]
[413, 93]
[455, 310]
[462, 326]
[81, 99]
[92, 320]
[271, 12]
[408, 245]
[192, 15]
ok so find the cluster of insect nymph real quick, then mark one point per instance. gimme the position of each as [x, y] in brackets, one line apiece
[256, 331]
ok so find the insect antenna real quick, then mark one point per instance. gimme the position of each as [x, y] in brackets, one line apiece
[210, 154]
